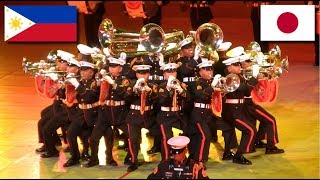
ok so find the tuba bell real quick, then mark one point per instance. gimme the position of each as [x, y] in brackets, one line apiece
[208, 37]
[230, 83]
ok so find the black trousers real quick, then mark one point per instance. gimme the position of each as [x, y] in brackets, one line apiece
[91, 25]
[233, 113]
[255, 19]
[156, 19]
[317, 49]
[200, 15]
[59, 119]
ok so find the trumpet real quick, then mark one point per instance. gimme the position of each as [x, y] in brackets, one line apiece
[230, 83]
[142, 85]
[34, 67]
[174, 83]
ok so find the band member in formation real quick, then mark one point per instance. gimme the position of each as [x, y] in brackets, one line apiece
[83, 120]
[60, 117]
[268, 123]
[171, 94]
[233, 108]
[50, 110]
[142, 94]
[112, 112]
[179, 167]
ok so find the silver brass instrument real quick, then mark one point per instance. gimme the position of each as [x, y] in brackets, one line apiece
[151, 36]
[209, 36]
[33, 68]
[174, 83]
[230, 83]
[142, 85]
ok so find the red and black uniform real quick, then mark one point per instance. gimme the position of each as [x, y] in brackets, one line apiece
[233, 112]
[169, 169]
[136, 121]
[200, 13]
[169, 116]
[83, 117]
[112, 112]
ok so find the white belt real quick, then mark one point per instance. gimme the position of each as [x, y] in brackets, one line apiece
[188, 79]
[88, 106]
[200, 5]
[113, 103]
[234, 101]
[156, 77]
[137, 107]
[247, 97]
[170, 108]
[202, 105]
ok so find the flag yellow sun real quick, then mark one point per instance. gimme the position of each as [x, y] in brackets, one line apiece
[15, 23]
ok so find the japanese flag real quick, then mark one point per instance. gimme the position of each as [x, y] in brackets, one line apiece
[287, 22]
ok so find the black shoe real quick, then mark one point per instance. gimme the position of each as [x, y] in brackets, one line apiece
[41, 149]
[274, 150]
[92, 163]
[132, 167]
[112, 162]
[153, 150]
[260, 144]
[241, 160]
[228, 156]
[214, 139]
[71, 162]
[128, 161]
[49, 155]
[85, 156]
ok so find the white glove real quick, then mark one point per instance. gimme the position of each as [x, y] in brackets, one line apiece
[103, 72]
[123, 56]
[255, 70]
[53, 76]
[109, 80]
[196, 52]
[72, 80]
[136, 86]
[215, 80]
[161, 59]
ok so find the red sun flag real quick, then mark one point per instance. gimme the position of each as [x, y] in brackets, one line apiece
[287, 23]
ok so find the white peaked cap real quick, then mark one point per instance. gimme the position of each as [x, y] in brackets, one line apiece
[237, 51]
[224, 46]
[169, 66]
[64, 55]
[178, 142]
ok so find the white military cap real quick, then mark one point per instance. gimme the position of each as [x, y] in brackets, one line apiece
[237, 51]
[85, 50]
[73, 61]
[244, 57]
[231, 60]
[169, 66]
[141, 67]
[84, 56]
[185, 42]
[64, 55]
[224, 46]
[121, 60]
[205, 63]
[178, 142]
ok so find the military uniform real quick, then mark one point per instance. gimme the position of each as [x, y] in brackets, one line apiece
[136, 121]
[200, 13]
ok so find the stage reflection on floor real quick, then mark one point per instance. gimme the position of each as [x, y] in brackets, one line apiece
[296, 111]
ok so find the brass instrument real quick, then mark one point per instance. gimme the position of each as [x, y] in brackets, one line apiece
[174, 83]
[34, 68]
[98, 58]
[208, 37]
[142, 85]
[230, 83]
[151, 36]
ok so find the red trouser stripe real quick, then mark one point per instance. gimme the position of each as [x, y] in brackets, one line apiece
[164, 141]
[202, 142]
[130, 145]
[273, 125]
[251, 133]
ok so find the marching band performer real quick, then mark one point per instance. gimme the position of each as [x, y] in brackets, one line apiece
[171, 94]
[49, 111]
[83, 120]
[232, 110]
[60, 118]
[112, 112]
[141, 115]
[268, 123]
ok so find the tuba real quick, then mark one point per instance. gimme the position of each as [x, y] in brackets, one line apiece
[208, 37]
[151, 37]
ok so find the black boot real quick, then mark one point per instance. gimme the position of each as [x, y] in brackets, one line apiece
[132, 167]
[112, 162]
[71, 162]
[92, 162]
[260, 144]
[154, 150]
[241, 160]
[227, 156]
[85, 156]
[41, 149]
[274, 150]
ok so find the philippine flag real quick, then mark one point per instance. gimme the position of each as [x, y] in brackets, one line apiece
[287, 23]
[40, 23]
